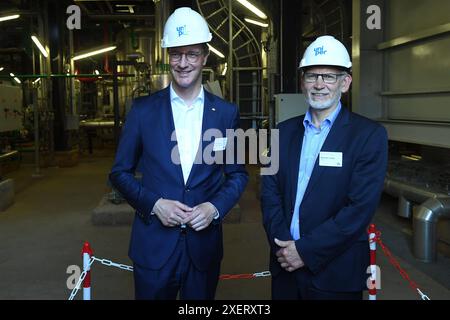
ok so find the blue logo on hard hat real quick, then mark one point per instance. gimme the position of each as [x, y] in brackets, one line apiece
[182, 31]
[319, 51]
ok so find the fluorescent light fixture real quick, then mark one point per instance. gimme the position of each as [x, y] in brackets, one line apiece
[5, 18]
[128, 6]
[253, 9]
[37, 80]
[93, 53]
[40, 46]
[224, 72]
[1, 68]
[15, 78]
[217, 52]
[258, 23]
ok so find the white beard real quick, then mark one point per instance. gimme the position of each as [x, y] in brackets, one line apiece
[322, 105]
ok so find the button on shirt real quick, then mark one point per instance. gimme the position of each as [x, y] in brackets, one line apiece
[188, 126]
[313, 140]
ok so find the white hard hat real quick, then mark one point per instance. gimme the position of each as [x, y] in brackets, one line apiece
[328, 51]
[185, 27]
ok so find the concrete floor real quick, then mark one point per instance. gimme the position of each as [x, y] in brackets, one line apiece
[42, 233]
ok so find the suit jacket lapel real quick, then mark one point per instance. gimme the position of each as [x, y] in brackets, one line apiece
[295, 151]
[209, 121]
[335, 138]
[168, 129]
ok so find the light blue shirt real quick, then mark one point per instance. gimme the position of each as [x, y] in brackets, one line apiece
[313, 140]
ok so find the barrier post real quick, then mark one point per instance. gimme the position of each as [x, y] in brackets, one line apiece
[372, 282]
[87, 254]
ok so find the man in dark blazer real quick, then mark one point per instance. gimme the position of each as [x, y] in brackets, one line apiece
[176, 241]
[317, 207]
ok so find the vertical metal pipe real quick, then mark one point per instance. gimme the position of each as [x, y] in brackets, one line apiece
[404, 207]
[162, 12]
[425, 220]
[116, 103]
[254, 97]
[37, 170]
[73, 107]
[230, 49]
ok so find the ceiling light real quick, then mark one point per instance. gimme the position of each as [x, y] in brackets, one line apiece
[253, 9]
[1, 68]
[93, 53]
[15, 78]
[40, 46]
[258, 23]
[217, 52]
[224, 72]
[15, 16]
[128, 6]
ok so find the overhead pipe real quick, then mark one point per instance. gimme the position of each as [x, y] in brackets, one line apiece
[434, 207]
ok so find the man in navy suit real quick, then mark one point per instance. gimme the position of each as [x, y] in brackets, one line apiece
[317, 207]
[176, 241]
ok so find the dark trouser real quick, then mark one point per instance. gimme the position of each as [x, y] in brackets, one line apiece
[178, 275]
[298, 286]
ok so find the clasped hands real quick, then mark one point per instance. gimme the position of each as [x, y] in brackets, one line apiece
[288, 256]
[173, 213]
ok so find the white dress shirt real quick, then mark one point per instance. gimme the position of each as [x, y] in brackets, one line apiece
[188, 126]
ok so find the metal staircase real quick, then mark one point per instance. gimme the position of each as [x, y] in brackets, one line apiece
[245, 82]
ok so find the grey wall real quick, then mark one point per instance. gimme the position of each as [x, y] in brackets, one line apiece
[402, 72]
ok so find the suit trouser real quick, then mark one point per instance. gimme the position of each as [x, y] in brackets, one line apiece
[298, 285]
[178, 275]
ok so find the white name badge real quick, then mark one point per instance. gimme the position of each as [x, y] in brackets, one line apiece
[220, 144]
[330, 159]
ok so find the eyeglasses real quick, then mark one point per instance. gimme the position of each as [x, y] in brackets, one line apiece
[329, 78]
[191, 56]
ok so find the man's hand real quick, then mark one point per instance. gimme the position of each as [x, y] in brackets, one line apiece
[201, 216]
[171, 212]
[288, 256]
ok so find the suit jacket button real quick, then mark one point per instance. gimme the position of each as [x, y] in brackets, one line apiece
[187, 189]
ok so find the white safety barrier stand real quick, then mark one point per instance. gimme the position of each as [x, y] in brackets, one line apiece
[87, 254]
[377, 238]
[372, 282]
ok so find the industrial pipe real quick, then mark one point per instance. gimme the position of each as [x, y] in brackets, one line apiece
[426, 217]
[407, 193]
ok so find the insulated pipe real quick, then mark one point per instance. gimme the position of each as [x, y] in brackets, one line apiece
[407, 193]
[426, 217]
[434, 206]
[162, 13]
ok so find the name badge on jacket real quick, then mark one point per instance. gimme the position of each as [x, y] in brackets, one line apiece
[330, 159]
[219, 144]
